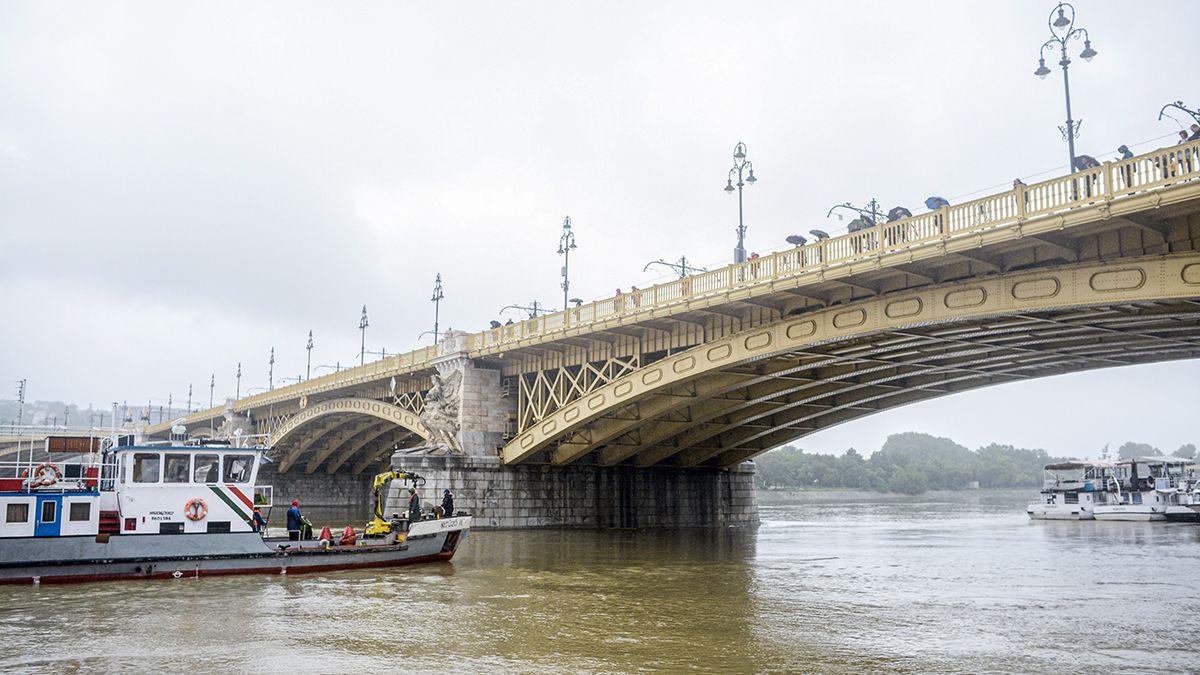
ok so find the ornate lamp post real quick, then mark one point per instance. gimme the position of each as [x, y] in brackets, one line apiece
[362, 327]
[212, 384]
[1062, 31]
[437, 298]
[308, 365]
[566, 244]
[740, 164]
[238, 392]
[271, 371]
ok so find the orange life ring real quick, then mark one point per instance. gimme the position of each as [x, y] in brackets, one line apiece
[45, 475]
[195, 509]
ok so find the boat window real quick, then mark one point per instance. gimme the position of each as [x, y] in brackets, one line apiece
[237, 468]
[49, 512]
[1070, 497]
[175, 467]
[17, 513]
[81, 511]
[208, 469]
[145, 467]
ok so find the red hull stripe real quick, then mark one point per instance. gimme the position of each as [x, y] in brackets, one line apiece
[240, 495]
[83, 578]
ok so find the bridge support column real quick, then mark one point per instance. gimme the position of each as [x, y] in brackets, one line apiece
[484, 412]
[502, 496]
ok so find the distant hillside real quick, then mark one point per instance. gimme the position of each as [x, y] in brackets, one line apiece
[910, 463]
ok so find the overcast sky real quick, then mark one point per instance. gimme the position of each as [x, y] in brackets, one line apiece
[185, 185]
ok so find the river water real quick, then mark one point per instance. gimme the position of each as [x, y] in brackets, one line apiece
[950, 582]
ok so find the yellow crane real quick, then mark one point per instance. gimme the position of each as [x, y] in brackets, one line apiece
[380, 527]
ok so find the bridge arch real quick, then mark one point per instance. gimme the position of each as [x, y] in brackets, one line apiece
[351, 432]
[731, 399]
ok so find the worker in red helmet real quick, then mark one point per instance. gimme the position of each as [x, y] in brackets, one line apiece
[295, 522]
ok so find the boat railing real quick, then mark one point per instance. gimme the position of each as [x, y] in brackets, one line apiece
[56, 476]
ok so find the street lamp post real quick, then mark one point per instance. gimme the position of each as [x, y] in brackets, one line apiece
[680, 267]
[871, 211]
[566, 244]
[362, 327]
[1062, 31]
[189, 408]
[271, 371]
[437, 298]
[238, 392]
[534, 308]
[21, 401]
[212, 384]
[740, 164]
[308, 366]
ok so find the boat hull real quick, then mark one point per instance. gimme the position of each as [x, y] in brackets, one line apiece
[88, 558]
[1039, 511]
[1134, 512]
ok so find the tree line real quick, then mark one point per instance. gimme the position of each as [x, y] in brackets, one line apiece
[912, 463]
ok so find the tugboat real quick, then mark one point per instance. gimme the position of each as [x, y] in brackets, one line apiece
[179, 510]
[1071, 491]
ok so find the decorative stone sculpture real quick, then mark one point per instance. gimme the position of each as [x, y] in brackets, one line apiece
[440, 412]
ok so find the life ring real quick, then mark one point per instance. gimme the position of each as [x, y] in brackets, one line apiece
[45, 475]
[195, 509]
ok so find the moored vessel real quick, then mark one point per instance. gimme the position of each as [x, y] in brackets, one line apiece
[1143, 489]
[177, 510]
[1071, 491]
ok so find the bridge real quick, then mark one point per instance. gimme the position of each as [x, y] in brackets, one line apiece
[1096, 269]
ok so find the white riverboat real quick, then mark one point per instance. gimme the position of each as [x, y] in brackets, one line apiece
[1145, 489]
[1071, 491]
[175, 510]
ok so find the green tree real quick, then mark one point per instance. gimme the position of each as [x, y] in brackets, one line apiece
[1187, 451]
[1130, 450]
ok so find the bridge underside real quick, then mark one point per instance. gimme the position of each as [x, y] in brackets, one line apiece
[790, 395]
[345, 442]
[729, 414]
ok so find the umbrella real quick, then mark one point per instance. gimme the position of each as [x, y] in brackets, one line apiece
[898, 212]
[935, 203]
[819, 234]
[795, 239]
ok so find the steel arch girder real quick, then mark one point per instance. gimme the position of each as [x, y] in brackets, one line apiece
[1139, 279]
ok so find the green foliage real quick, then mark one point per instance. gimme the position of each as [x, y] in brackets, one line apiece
[909, 463]
[1131, 450]
[1187, 451]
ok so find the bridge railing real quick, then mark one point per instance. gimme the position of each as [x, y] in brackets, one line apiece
[1108, 182]
[1111, 181]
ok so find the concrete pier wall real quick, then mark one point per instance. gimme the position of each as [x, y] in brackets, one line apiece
[583, 496]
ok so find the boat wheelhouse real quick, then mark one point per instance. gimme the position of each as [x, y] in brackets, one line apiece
[1071, 491]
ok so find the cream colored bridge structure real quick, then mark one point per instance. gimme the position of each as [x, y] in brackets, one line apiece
[1097, 269]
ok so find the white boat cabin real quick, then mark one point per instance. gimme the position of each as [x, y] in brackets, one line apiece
[147, 489]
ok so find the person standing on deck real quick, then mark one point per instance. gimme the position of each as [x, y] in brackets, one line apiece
[447, 503]
[414, 505]
[295, 521]
[257, 522]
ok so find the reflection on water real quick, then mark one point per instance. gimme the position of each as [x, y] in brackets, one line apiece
[960, 582]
